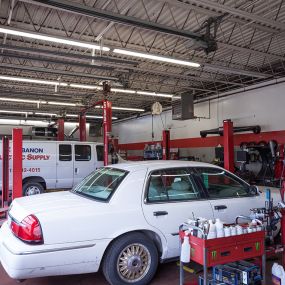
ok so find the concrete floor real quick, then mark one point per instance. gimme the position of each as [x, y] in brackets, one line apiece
[167, 274]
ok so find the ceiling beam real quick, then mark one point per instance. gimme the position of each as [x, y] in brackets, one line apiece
[122, 19]
[238, 13]
[56, 71]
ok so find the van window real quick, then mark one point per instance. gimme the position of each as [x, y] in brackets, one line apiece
[100, 152]
[65, 152]
[82, 152]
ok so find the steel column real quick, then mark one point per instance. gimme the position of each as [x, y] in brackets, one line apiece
[107, 127]
[60, 129]
[5, 172]
[17, 137]
[228, 145]
[165, 144]
[82, 127]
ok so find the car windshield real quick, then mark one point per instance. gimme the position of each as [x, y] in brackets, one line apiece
[101, 183]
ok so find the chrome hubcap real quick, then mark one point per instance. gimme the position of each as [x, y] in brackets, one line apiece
[32, 190]
[133, 262]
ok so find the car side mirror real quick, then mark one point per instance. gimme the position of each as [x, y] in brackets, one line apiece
[253, 190]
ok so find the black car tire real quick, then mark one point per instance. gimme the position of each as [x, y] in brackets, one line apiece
[144, 256]
[30, 187]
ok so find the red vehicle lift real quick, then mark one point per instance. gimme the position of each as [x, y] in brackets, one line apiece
[165, 144]
[228, 146]
[82, 127]
[16, 170]
[60, 129]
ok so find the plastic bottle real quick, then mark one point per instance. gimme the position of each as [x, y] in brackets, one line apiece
[278, 272]
[220, 228]
[185, 250]
[212, 230]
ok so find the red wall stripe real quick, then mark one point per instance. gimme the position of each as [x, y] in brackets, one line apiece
[212, 141]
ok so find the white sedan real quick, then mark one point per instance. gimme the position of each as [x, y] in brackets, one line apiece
[123, 218]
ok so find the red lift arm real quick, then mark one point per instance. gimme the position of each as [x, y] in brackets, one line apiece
[228, 145]
[107, 127]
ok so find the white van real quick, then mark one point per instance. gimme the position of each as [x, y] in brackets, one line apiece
[55, 164]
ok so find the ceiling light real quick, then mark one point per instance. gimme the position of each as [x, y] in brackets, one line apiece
[15, 112]
[88, 116]
[43, 37]
[83, 86]
[62, 103]
[45, 114]
[156, 57]
[128, 109]
[123, 90]
[154, 94]
[30, 80]
[22, 100]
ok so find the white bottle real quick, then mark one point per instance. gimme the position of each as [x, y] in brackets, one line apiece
[212, 230]
[278, 271]
[227, 231]
[233, 231]
[185, 250]
[220, 228]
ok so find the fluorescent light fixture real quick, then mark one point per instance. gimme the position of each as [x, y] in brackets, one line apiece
[22, 100]
[156, 57]
[15, 112]
[30, 80]
[123, 90]
[83, 86]
[46, 114]
[89, 116]
[154, 94]
[61, 103]
[128, 109]
[44, 37]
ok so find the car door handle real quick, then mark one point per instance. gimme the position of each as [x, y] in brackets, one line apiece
[220, 207]
[76, 170]
[160, 213]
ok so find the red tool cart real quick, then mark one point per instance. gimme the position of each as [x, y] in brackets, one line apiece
[220, 251]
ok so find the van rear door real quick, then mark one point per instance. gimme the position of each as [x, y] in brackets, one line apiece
[64, 166]
[83, 161]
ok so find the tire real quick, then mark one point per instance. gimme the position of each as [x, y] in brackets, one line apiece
[140, 245]
[32, 188]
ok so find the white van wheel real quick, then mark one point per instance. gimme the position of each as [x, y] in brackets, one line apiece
[32, 188]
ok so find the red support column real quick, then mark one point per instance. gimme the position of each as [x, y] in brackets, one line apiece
[60, 129]
[17, 137]
[82, 127]
[228, 145]
[5, 172]
[107, 127]
[165, 144]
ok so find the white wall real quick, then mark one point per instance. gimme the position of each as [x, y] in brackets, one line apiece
[264, 106]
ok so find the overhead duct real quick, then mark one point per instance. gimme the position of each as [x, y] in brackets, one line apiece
[183, 107]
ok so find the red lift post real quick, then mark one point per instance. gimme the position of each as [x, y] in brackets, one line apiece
[5, 174]
[165, 144]
[17, 137]
[60, 129]
[107, 127]
[228, 145]
[82, 127]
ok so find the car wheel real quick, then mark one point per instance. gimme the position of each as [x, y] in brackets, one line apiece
[131, 259]
[32, 188]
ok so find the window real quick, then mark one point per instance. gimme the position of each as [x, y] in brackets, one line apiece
[221, 184]
[101, 183]
[65, 153]
[171, 185]
[82, 152]
[100, 152]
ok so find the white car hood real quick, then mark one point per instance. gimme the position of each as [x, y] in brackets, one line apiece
[275, 193]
